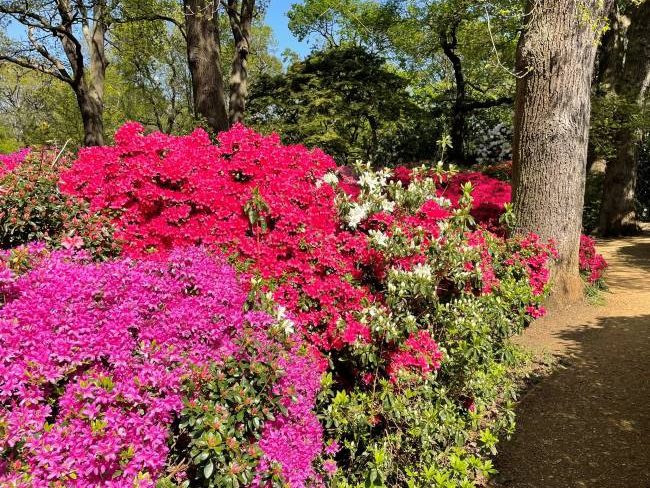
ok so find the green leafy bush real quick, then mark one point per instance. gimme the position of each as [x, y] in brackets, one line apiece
[33, 209]
[473, 290]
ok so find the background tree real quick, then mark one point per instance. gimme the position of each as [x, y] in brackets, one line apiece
[65, 40]
[240, 14]
[458, 54]
[260, 58]
[37, 108]
[147, 75]
[198, 23]
[348, 102]
[149, 78]
[556, 52]
[623, 91]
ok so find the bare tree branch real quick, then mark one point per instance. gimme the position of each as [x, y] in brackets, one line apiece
[42, 50]
[33, 65]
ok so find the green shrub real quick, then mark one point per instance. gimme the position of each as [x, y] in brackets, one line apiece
[33, 209]
[473, 290]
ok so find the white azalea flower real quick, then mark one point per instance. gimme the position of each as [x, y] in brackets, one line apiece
[330, 179]
[357, 214]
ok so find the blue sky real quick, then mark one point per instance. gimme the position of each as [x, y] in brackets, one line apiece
[276, 17]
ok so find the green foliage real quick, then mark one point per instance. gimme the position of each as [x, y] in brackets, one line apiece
[612, 113]
[431, 433]
[408, 34]
[440, 430]
[338, 22]
[223, 419]
[611, 116]
[33, 209]
[8, 144]
[37, 109]
[593, 199]
[148, 79]
[347, 102]
[425, 439]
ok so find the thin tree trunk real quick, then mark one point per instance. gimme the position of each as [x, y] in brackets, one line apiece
[552, 111]
[204, 60]
[627, 77]
[449, 43]
[241, 20]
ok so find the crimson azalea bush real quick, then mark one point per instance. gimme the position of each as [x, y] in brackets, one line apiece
[99, 362]
[249, 196]
[489, 195]
[592, 264]
[386, 273]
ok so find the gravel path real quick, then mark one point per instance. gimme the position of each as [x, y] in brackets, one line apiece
[587, 424]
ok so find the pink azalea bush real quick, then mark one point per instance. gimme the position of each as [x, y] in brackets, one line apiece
[33, 209]
[386, 273]
[96, 359]
[9, 162]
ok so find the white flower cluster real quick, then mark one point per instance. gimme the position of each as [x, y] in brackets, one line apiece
[379, 192]
[494, 145]
[378, 239]
[330, 178]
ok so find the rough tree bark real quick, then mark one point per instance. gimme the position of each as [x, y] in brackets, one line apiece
[90, 91]
[92, 109]
[626, 75]
[241, 19]
[204, 61]
[552, 109]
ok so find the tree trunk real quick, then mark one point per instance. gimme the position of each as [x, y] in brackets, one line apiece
[240, 23]
[91, 110]
[626, 76]
[204, 60]
[90, 91]
[552, 110]
[449, 43]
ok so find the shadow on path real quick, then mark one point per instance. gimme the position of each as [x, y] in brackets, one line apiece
[587, 424]
[636, 255]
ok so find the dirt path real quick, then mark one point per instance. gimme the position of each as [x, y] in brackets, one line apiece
[587, 424]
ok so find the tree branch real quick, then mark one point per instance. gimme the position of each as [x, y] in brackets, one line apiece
[42, 50]
[153, 18]
[33, 65]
